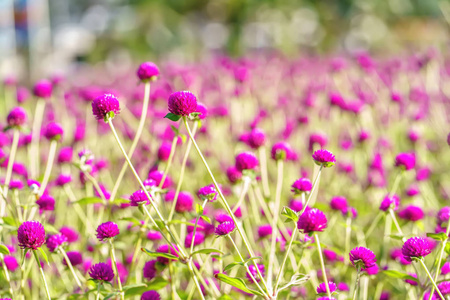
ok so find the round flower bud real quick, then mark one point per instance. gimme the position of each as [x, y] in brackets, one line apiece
[324, 158]
[54, 131]
[182, 103]
[101, 271]
[151, 295]
[17, 117]
[406, 161]
[31, 235]
[246, 161]
[207, 193]
[43, 89]
[301, 185]
[105, 106]
[139, 198]
[148, 71]
[107, 230]
[363, 256]
[225, 228]
[312, 220]
[56, 240]
[416, 248]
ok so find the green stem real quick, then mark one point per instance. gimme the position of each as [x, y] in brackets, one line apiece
[199, 289]
[98, 292]
[12, 156]
[374, 224]
[224, 202]
[394, 218]
[195, 228]
[316, 180]
[441, 253]
[396, 183]
[48, 168]
[113, 260]
[169, 161]
[294, 234]
[247, 180]
[42, 274]
[69, 264]
[322, 264]
[135, 140]
[348, 233]
[431, 279]
[358, 276]
[264, 176]
[8, 279]
[35, 134]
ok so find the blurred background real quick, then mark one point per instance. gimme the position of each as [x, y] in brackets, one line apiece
[43, 37]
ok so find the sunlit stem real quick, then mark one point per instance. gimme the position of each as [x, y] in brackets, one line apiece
[358, 276]
[169, 161]
[98, 292]
[182, 171]
[48, 168]
[197, 284]
[264, 176]
[348, 232]
[35, 134]
[224, 202]
[431, 279]
[136, 175]
[274, 221]
[8, 279]
[12, 156]
[394, 218]
[315, 183]
[42, 274]
[113, 260]
[441, 253]
[280, 273]
[69, 264]
[246, 185]
[135, 140]
[195, 228]
[322, 264]
[374, 224]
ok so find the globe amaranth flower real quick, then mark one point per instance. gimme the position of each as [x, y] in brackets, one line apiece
[65, 155]
[101, 271]
[324, 158]
[107, 230]
[443, 215]
[54, 241]
[264, 230]
[281, 151]
[339, 203]
[322, 288]
[105, 106]
[199, 239]
[411, 213]
[234, 175]
[10, 263]
[256, 138]
[444, 288]
[301, 185]
[312, 220]
[31, 235]
[221, 217]
[390, 202]
[63, 179]
[75, 258]
[410, 281]
[182, 103]
[207, 193]
[343, 287]
[246, 161]
[185, 202]
[362, 257]
[150, 269]
[71, 234]
[157, 176]
[225, 228]
[164, 151]
[43, 89]
[46, 203]
[151, 295]
[148, 71]
[17, 117]
[202, 111]
[53, 131]
[406, 161]
[15, 184]
[254, 272]
[139, 198]
[416, 248]
[166, 249]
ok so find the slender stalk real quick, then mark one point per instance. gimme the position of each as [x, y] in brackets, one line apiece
[143, 187]
[276, 214]
[246, 185]
[195, 228]
[224, 202]
[48, 168]
[42, 274]
[391, 212]
[316, 180]
[441, 253]
[277, 281]
[348, 233]
[169, 161]
[374, 224]
[199, 289]
[358, 276]
[69, 264]
[322, 264]
[431, 279]
[12, 156]
[396, 183]
[98, 292]
[113, 260]
[264, 176]
[182, 170]
[35, 134]
[173, 289]
[8, 279]
[135, 140]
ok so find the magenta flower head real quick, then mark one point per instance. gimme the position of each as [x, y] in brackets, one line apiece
[302, 185]
[199, 239]
[164, 151]
[54, 131]
[312, 220]
[362, 257]
[254, 272]
[185, 202]
[324, 158]
[71, 234]
[411, 213]
[234, 175]
[105, 107]
[339, 203]
[322, 289]
[150, 269]
[75, 258]
[101, 271]
[46, 203]
[182, 103]
[281, 151]
[246, 161]
[157, 176]
[31, 235]
[150, 295]
[65, 155]
[107, 230]
[139, 198]
[17, 117]
[202, 111]
[390, 202]
[43, 89]
[166, 249]
[443, 215]
[56, 240]
[225, 228]
[207, 193]
[148, 71]
[256, 138]
[444, 288]
[406, 161]
[415, 248]
[264, 230]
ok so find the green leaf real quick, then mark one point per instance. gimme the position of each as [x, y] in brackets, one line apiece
[183, 138]
[24, 255]
[199, 209]
[180, 222]
[89, 200]
[437, 236]
[175, 130]
[157, 284]
[447, 248]
[50, 228]
[44, 255]
[159, 254]
[135, 289]
[4, 250]
[224, 297]
[237, 283]
[296, 279]
[110, 295]
[160, 224]
[206, 251]
[172, 117]
[400, 275]
[207, 219]
[10, 221]
[396, 237]
[135, 221]
[234, 264]
[290, 215]
[131, 286]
